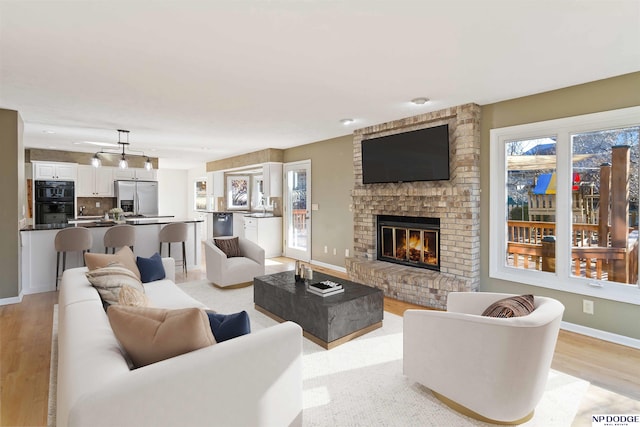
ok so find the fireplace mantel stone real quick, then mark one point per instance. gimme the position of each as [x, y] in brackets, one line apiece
[455, 202]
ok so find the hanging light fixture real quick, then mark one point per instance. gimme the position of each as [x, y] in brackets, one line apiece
[123, 163]
[123, 160]
[95, 161]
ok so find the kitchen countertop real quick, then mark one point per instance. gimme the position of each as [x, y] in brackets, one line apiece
[241, 212]
[247, 213]
[110, 223]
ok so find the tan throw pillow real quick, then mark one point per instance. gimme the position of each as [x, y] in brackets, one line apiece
[109, 280]
[123, 256]
[132, 296]
[150, 335]
[231, 247]
[511, 307]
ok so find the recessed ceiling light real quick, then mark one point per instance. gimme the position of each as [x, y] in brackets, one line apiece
[346, 122]
[48, 131]
[420, 101]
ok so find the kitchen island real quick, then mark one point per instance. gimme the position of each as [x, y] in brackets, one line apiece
[39, 254]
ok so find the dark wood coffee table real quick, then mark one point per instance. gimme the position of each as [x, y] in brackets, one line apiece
[327, 321]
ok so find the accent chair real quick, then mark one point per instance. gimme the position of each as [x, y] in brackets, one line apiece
[490, 368]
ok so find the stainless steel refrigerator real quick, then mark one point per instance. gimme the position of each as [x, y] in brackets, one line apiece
[138, 197]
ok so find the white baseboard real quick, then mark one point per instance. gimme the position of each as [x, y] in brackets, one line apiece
[39, 290]
[11, 300]
[602, 335]
[325, 265]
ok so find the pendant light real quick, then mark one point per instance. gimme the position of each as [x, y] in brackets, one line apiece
[123, 163]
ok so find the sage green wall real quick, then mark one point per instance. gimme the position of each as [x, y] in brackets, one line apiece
[602, 95]
[12, 194]
[331, 185]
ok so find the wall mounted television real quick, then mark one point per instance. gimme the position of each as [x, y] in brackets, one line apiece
[419, 155]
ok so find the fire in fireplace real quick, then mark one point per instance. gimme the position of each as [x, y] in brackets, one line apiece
[413, 241]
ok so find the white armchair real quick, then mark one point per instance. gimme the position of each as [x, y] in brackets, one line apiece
[493, 369]
[224, 272]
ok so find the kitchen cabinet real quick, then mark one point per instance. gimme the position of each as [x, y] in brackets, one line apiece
[272, 180]
[135, 174]
[95, 182]
[238, 224]
[146, 175]
[266, 232]
[54, 171]
[200, 194]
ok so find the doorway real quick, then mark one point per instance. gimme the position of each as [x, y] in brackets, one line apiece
[297, 210]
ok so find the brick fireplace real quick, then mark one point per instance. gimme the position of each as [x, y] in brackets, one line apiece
[453, 204]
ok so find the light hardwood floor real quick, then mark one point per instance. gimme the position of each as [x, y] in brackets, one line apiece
[25, 347]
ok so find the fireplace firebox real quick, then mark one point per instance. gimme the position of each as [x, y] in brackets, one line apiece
[406, 240]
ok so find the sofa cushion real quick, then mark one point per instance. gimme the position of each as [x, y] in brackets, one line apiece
[166, 294]
[150, 335]
[511, 307]
[132, 296]
[227, 326]
[230, 246]
[109, 280]
[151, 269]
[123, 256]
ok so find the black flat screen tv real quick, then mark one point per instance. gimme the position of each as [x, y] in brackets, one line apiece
[420, 155]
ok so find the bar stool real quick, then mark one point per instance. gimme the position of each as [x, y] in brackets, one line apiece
[71, 240]
[119, 236]
[175, 233]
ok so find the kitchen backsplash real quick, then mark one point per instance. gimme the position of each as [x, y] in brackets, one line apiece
[276, 205]
[90, 208]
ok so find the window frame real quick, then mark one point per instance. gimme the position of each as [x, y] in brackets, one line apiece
[562, 129]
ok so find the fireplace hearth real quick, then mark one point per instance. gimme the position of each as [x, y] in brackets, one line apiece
[413, 241]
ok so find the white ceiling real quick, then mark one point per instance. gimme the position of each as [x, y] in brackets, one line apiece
[204, 80]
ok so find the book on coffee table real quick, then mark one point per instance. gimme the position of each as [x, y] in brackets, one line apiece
[325, 286]
[325, 294]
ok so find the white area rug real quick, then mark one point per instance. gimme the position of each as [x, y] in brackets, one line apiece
[360, 383]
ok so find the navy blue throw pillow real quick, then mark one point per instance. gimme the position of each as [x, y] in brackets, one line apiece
[227, 326]
[150, 268]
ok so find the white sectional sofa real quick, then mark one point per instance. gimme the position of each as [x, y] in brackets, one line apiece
[252, 380]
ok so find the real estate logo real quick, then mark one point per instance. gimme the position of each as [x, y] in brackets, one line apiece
[615, 420]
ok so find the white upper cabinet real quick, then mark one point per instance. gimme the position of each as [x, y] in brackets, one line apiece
[95, 182]
[54, 171]
[145, 175]
[104, 182]
[133, 174]
[85, 182]
[272, 179]
[124, 174]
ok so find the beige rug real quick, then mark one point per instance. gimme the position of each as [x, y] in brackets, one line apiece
[360, 383]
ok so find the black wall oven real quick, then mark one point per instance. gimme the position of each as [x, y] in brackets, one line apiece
[55, 202]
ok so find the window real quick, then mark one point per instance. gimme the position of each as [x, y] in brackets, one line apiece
[564, 204]
[238, 192]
